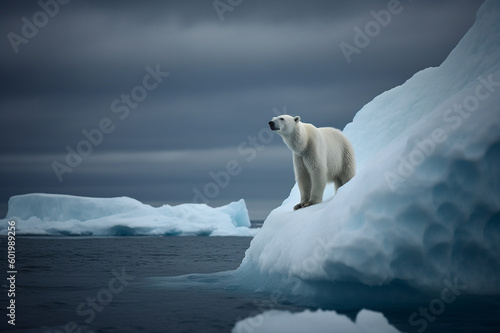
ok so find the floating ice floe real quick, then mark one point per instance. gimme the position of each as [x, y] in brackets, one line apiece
[275, 321]
[56, 214]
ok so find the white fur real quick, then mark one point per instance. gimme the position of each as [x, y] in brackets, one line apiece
[320, 156]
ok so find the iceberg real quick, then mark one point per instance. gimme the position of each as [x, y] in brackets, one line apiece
[56, 214]
[423, 210]
[319, 321]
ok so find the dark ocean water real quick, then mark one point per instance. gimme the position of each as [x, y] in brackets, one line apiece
[57, 277]
[91, 284]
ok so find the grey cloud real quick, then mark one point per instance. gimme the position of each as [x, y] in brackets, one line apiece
[225, 79]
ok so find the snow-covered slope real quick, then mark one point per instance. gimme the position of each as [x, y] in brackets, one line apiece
[424, 207]
[56, 214]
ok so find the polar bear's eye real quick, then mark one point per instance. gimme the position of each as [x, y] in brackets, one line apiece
[282, 118]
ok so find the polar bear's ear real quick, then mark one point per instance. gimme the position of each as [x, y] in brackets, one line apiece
[297, 119]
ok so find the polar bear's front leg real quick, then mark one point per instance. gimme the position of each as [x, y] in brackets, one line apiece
[303, 180]
[316, 168]
[317, 189]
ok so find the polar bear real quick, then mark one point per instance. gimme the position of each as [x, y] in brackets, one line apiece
[320, 156]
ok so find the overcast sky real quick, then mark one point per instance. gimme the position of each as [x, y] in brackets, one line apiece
[176, 93]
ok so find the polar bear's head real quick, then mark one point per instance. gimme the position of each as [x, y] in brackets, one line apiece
[284, 125]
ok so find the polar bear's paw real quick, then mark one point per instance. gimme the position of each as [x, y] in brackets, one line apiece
[298, 206]
[303, 205]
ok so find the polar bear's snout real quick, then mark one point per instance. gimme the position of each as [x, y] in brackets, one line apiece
[273, 126]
